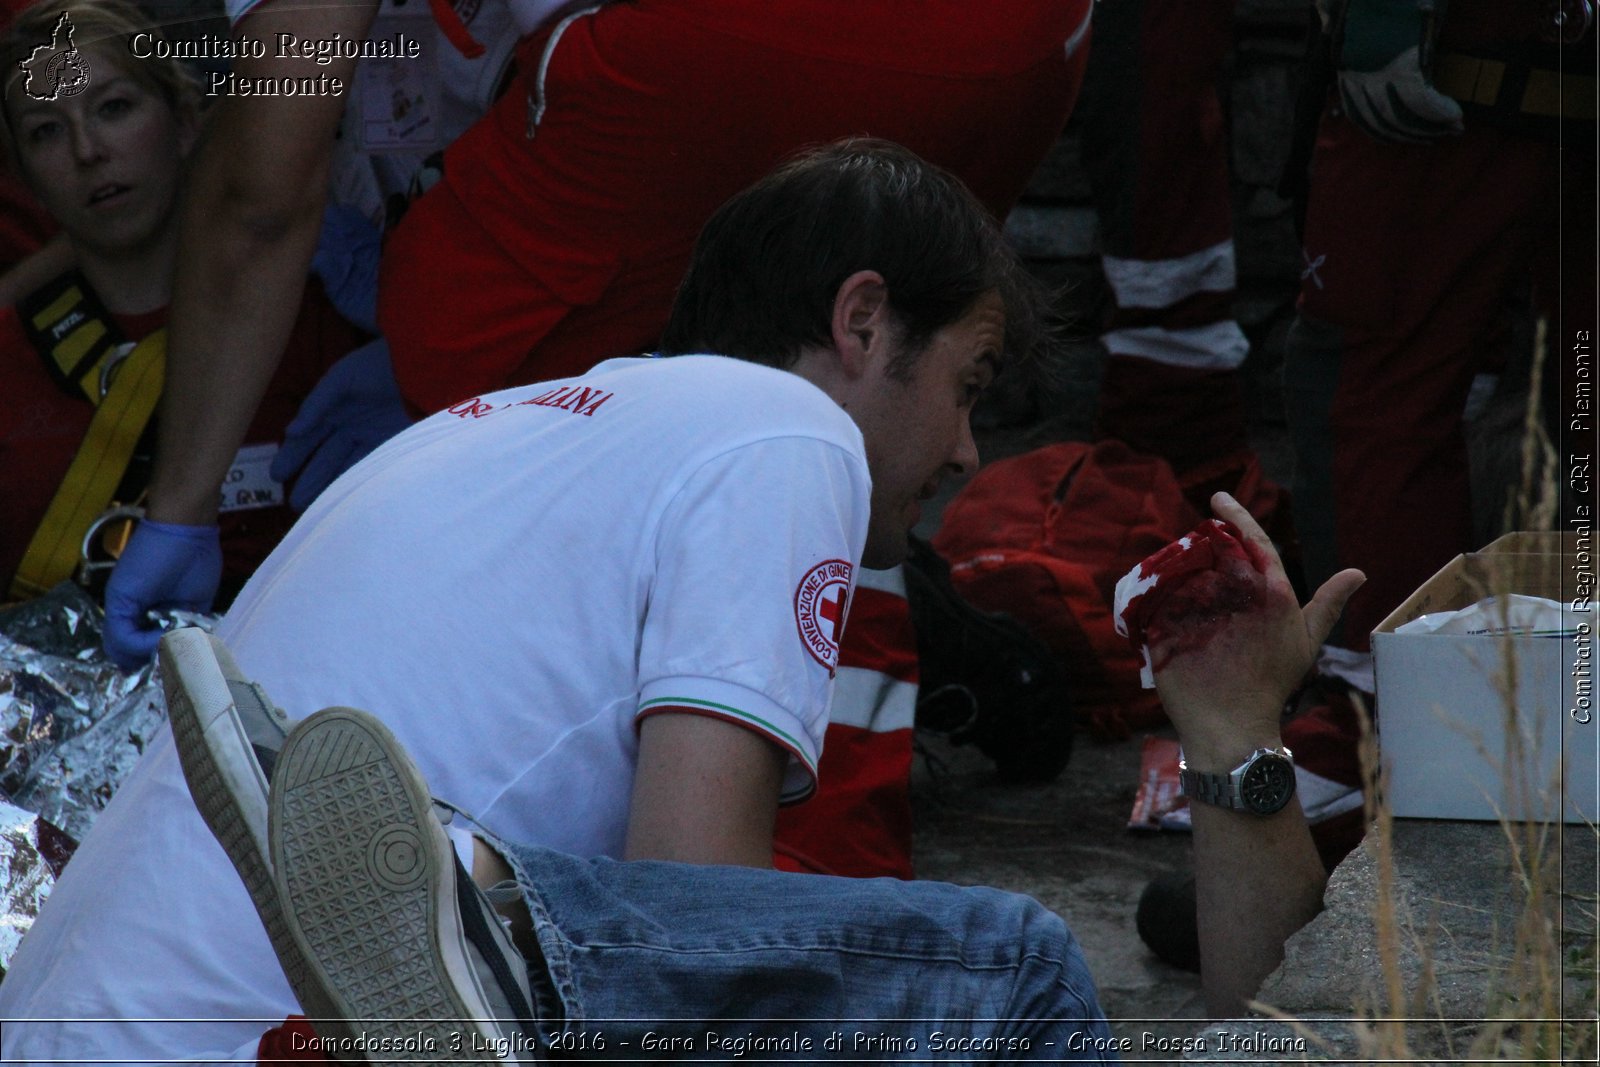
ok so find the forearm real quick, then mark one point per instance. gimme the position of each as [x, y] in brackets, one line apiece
[1228, 653]
[1258, 879]
[241, 274]
[252, 209]
[738, 842]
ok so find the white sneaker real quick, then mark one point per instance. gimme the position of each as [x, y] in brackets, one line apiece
[398, 938]
[226, 727]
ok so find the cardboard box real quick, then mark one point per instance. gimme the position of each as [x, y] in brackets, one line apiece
[1443, 715]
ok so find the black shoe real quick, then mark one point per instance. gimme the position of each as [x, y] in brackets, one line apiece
[1167, 920]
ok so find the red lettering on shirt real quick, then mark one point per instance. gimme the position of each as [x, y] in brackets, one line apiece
[578, 399]
[542, 397]
[472, 408]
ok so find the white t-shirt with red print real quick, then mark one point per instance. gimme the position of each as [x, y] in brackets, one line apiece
[509, 584]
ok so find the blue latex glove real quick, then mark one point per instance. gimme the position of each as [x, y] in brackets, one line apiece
[1382, 82]
[165, 565]
[348, 247]
[352, 410]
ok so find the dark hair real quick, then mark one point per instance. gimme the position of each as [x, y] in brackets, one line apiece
[767, 266]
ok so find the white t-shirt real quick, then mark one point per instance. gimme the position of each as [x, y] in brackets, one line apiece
[509, 585]
[449, 92]
[446, 91]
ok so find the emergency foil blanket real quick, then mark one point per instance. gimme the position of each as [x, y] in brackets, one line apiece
[63, 622]
[70, 730]
[71, 724]
[32, 853]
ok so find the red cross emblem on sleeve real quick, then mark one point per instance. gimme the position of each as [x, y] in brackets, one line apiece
[821, 603]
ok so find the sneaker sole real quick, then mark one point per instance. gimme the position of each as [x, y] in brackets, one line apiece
[227, 784]
[367, 879]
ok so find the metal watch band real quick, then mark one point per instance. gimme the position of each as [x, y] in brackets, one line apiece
[1215, 789]
[1225, 790]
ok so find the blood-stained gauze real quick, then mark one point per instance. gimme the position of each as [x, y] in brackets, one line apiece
[1178, 599]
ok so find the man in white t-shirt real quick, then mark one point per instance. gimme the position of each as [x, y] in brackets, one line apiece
[604, 612]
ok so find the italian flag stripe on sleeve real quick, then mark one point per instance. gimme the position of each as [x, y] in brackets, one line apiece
[726, 711]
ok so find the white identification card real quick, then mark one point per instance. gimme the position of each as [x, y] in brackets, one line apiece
[398, 95]
[248, 483]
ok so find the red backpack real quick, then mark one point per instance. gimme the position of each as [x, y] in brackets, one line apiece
[1045, 536]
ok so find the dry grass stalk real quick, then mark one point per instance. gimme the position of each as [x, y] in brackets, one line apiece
[1552, 940]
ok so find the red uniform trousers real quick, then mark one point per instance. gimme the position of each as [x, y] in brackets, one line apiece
[858, 822]
[1411, 251]
[1156, 151]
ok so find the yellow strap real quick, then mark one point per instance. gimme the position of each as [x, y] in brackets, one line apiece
[57, 310]
[1567, 95]
[96, 470]
[1469, 79]
[1547, 93]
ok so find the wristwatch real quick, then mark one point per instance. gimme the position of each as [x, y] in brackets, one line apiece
[1260, 785]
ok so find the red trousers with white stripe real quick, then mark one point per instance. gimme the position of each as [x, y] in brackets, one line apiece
[1155, 149]
[858, 822]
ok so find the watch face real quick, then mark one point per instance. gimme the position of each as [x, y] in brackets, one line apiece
[1267, 785]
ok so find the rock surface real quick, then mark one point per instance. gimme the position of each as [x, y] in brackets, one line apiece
[1485, 921]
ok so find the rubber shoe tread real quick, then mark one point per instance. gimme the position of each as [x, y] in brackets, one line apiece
[367, 879]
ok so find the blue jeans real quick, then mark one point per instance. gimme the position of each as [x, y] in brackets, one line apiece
[673, 961]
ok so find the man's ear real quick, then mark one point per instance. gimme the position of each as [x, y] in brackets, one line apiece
[861, 321]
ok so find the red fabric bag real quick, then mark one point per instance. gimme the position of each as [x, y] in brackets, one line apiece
[1044, 536]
